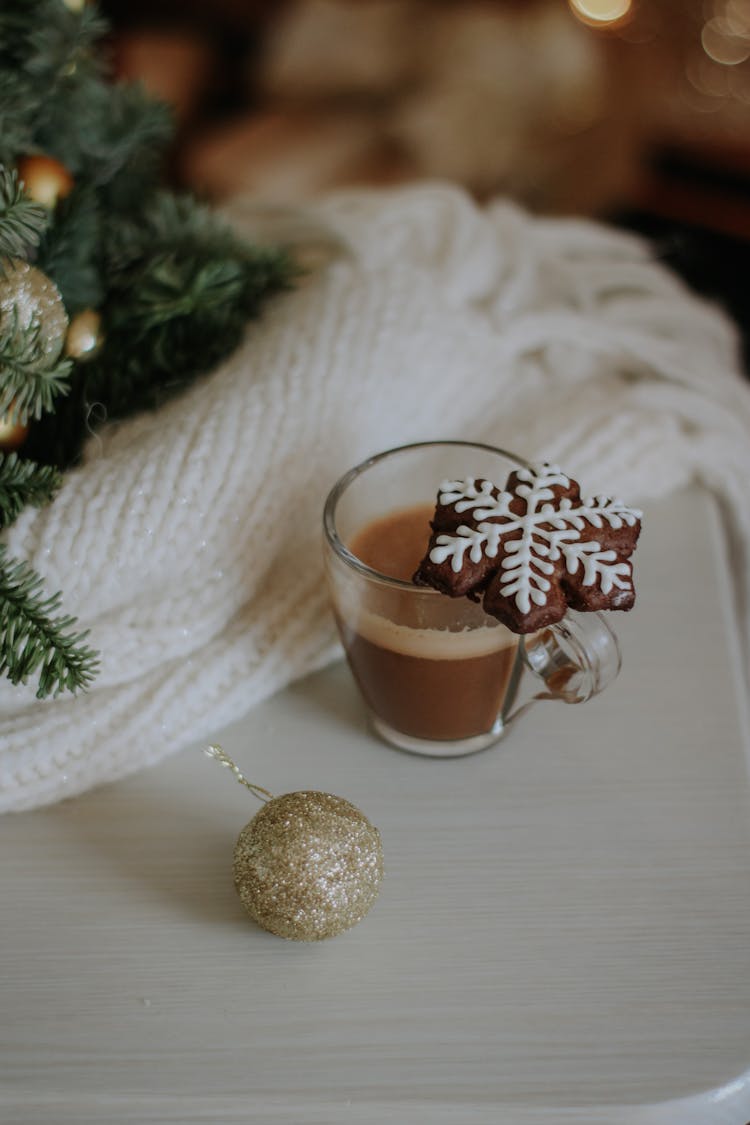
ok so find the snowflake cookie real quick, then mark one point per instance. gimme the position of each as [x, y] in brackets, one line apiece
[533, 549]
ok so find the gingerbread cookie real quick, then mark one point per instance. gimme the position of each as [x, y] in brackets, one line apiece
[532, 550]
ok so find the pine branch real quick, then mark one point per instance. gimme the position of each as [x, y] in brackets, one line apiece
[167, 321]
[22, 222]
[24, 482]
[70, 251]
[57, 438]
[16, 116]
[136, 132]
[45, 51]
[33, 640]
[179, 225]
[175, 318]
[62, 43]
[168, 288]
[29, 383]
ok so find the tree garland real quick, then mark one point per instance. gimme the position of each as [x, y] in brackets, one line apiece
[113, 290]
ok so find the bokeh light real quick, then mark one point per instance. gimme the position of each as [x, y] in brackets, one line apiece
[601, 13]
[722, 44]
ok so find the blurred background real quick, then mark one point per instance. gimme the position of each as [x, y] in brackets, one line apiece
[633, 111]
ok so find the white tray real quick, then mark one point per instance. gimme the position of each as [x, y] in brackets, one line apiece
[563, 934]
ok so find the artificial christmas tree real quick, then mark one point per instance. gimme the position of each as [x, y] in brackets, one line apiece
[114, 293]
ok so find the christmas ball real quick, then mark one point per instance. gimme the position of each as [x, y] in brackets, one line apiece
[27, 297]
[45, 179]
[84, 338]
[308, 866]
[12, 433]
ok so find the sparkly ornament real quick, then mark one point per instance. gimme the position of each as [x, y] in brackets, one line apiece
[12, 432]
[308, 865]
[45, 179]
[27, 298]
[84, 338]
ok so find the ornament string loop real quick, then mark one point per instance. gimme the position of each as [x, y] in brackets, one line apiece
[223, 759]
[308, 865]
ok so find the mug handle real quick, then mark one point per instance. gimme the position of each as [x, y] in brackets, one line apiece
[574, 659]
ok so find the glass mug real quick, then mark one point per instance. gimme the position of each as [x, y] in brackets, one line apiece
[438, 675]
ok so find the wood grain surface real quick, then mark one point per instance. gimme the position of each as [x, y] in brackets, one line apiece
[563, 933]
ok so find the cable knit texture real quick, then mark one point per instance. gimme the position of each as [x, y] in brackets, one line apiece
[178, 541]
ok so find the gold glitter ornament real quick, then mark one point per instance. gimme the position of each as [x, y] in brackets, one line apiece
[309, 865]
[28, 297]
[84, 338]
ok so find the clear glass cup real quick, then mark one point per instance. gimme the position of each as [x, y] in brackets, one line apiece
[438, 675]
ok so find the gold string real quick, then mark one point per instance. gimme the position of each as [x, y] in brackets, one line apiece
[223, 759]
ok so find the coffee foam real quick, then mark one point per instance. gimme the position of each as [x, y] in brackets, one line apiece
[432, 644]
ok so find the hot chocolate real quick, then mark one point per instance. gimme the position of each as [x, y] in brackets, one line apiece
[394, 544]
[439, 605]
[442, 684]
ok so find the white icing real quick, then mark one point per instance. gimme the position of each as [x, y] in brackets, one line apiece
[546, 534]
[465, 494]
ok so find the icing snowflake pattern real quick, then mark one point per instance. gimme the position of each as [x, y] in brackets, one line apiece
[550, 529]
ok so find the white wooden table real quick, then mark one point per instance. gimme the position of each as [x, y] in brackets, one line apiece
[563, 934]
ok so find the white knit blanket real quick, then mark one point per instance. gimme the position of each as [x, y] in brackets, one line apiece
[189, 540]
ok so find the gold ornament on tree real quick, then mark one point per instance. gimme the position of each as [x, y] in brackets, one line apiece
[12, 432]
[45, 179]
[84, 338]
[28, 298]
[309, 865]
